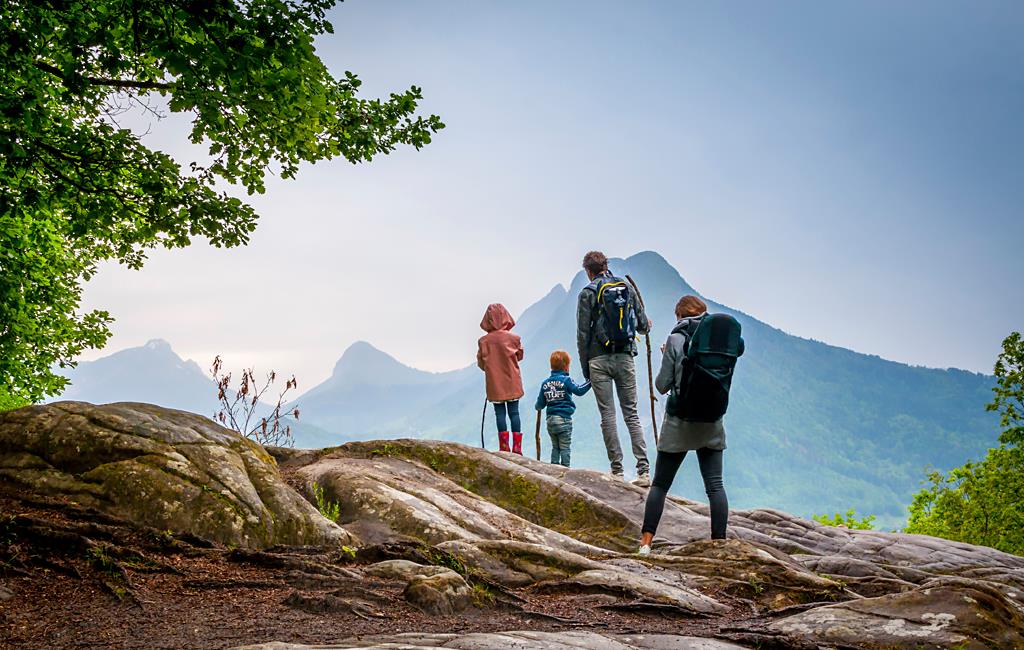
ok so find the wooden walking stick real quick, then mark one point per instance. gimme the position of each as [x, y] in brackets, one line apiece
[483, 416]
[650, 371]
[538, 435]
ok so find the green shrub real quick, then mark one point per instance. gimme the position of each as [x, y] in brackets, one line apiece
[983, 502]
[978, 503]
[329, 509]
[848, 521]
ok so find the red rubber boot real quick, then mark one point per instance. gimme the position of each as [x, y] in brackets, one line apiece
[517, 443]
[503, 441]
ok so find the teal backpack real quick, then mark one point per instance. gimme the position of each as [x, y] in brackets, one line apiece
[702, 394]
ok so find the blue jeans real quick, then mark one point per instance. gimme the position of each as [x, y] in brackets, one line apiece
[513, 416]
[560, 430]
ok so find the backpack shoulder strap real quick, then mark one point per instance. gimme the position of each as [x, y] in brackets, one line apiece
[593, 287]
[611, 281]
[692, 336]
[688, 333]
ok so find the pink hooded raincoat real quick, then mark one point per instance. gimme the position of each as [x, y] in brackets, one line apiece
[499, 354]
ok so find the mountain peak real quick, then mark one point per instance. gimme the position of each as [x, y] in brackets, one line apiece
[362, 358]
[361, 354]
[650, 264]
[557, 291]
[364, 364]
[651, 257]
[649, 261]
[152, 372]
[646, 267]
[362, 347]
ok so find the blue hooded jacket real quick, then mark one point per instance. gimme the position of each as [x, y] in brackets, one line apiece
[556, 394]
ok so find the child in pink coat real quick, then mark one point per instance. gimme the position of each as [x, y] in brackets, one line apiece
[498, 355]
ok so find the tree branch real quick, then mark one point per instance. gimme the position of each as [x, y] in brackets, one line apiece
[113, 83]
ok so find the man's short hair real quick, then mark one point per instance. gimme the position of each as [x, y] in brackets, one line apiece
[690, 306]
[560, 360]
[595, 262]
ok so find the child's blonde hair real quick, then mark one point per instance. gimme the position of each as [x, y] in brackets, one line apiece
[560, 360]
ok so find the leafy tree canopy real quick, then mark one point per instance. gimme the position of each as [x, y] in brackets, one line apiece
[7, 402]
[983, 503]
[978, 503]
[1009, 390]
[76, 188]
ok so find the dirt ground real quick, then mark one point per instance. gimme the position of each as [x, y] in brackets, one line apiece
[78, 579]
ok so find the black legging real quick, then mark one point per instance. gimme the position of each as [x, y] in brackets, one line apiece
[665, 468]
[513, 416]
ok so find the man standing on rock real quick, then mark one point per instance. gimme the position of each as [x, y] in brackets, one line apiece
[608, 318]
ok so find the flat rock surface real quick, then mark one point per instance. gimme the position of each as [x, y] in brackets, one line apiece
[937, 617]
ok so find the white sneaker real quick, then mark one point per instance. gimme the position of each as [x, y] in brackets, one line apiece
[644, 481]
[644, 550]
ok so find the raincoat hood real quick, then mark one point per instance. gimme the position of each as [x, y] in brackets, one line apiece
[497, 318]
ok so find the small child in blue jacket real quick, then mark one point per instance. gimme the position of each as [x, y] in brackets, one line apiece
[556, 394]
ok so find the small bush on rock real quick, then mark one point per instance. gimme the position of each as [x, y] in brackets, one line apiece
[850, 520]
[329, 509]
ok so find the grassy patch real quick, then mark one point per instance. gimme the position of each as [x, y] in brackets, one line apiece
[100, 559]
[329, 509]
[482, 595]
[386, 449]
[438, 557]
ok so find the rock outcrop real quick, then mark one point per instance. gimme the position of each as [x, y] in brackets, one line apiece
[943, 616]
[452, 536]
[519, 523]
[166, 469]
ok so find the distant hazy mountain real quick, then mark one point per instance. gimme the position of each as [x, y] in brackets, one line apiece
[811, 427]
[151, 373]
[370, 393]
[154, 373]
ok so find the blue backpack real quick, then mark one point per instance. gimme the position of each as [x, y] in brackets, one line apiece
[616, 315]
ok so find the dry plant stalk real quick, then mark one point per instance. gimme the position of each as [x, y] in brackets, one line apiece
[239, 409]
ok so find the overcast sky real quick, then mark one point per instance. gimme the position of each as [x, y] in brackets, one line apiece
[850, 172]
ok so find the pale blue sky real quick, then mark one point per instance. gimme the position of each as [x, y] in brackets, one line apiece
[850, 172]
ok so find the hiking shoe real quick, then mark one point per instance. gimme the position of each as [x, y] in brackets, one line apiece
[618, 475]
[644, 550]
[643, 480]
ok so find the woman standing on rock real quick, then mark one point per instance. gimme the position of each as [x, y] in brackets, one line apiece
[498, 355]
[679, 435]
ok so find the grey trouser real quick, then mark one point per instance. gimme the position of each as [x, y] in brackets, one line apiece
[618, 368]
